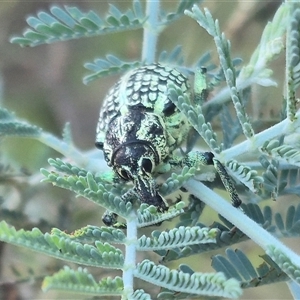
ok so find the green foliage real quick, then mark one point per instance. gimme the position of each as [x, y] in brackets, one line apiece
[196, 283]
[11, 126]
[177, 237]
[276, 223]
[237, 265]
[82, 282]
[195, 116]
[90, 233]
[102, 254]
[148, 215]
[89, 186]
[72, 23]
[176, 181]
[264, 165]
[109, 66]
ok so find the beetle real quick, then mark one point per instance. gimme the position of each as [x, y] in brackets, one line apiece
[140, 129]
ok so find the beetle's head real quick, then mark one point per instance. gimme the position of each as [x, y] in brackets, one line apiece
[135, 161]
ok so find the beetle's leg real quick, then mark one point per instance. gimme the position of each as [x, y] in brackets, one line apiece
[196, 159]
[228, 183]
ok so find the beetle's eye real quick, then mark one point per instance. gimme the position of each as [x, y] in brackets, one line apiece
[124, 174]
[147, 165]
[99, 145]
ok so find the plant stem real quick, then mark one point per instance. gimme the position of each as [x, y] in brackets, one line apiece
[150, 32]
[130, 254]
[284, 127]
[253, 230]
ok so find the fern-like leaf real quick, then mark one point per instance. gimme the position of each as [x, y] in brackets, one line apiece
[11, 126]
[285, 153]
[285, 263]
[91, 233]
[245, 175]
[67, 134]
[291, 225]
[279, 224]
[175, 57]
[177, 237]
[100, 255]
[175, 181]
[288, 182]
[68, 23]
[111, 65]
[206, 21]
[81, 281]
[92, 188]
[293, 63]
[148, 215]
[67, 168]
[195, 116]
[208, 284]
[166, 18]
[270, 178]
[238, 266]
[192, 212]
[140, 295]
[268, 49]
[225, 237]
[286, 224]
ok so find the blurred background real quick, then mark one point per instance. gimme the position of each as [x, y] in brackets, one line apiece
[43, 85]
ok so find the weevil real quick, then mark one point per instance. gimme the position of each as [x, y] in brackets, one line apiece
[140, 129]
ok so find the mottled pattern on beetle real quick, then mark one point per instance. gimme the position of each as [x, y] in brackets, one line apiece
[147, 87]
[137, 124]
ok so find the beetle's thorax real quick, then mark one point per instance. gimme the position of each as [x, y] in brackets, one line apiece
[134, 135]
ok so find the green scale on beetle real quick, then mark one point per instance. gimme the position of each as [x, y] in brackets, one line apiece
[140, 129]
